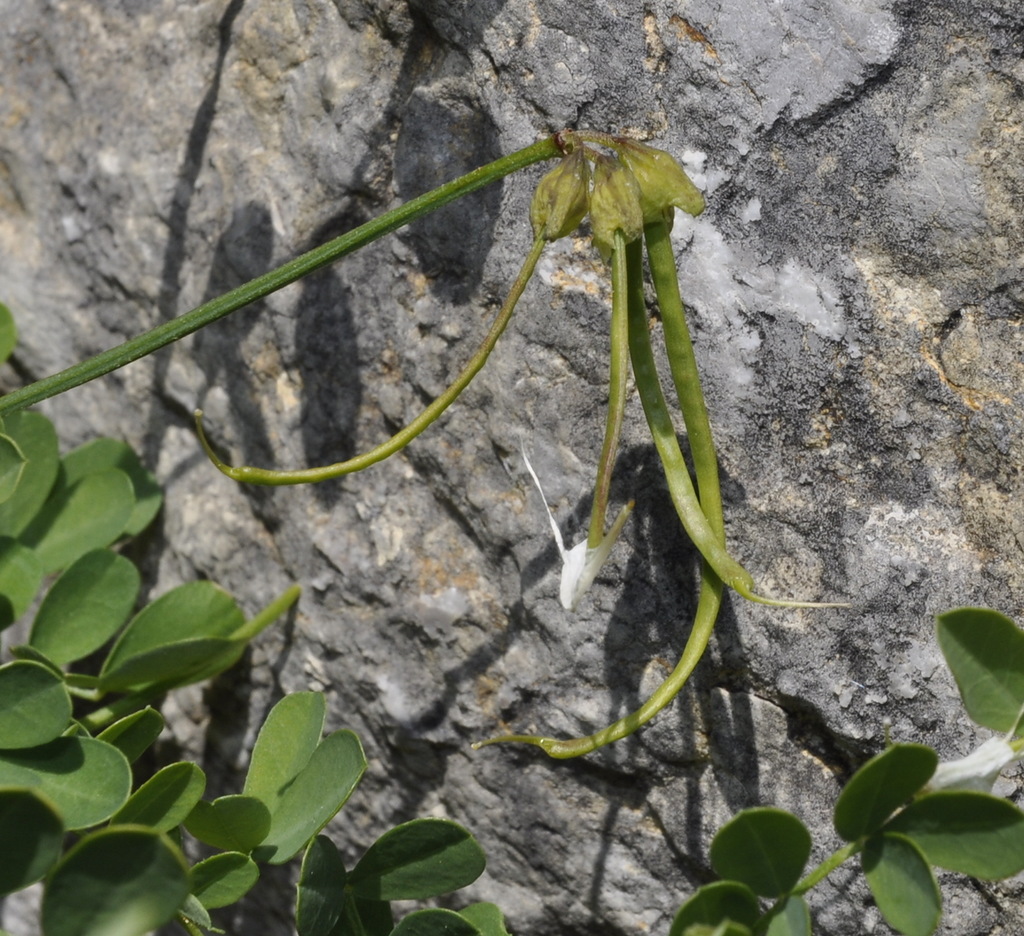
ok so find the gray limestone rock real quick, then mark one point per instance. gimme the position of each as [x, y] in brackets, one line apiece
[855, 290]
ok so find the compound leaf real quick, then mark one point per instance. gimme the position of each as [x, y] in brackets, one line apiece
[165, 799]
[713, 903]
[985, 652]
[313, 797]
[34, 705]
[21, 574]
[8, 333]
[223, 879]
[418, 859]
[122, 880]
[881, 786]
[284, 745]
[902, 884]
[32, 834]
[35, 436]
[134, 733]
[110, 453]
[90, 515]
[234, 823]
[86, 606]
[86, 779]
[12, 467]
[435, 923]
[321, 891]
[973, 833]
[487, 918]
[793, 919]
[764, 848]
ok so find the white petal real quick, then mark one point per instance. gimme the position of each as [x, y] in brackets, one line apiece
[544, 500]
[592, 560]
[574, 568]
[977, 771]
[580, 565]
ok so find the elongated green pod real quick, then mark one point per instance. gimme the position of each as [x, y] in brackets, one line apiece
[404, 436]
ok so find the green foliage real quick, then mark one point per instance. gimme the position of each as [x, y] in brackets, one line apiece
[764, 848]
[126, 880]
[902, 883]
[59, 772]
[985, 652]
[902, 812]
[31, 832]
[881, 786]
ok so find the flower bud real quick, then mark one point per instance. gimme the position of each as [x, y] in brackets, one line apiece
[562, 197]
[663, 183]
[614, 205]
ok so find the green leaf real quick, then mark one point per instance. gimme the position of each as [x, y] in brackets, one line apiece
[193, 911]
[86, 779]
[32, 834]
[794, 919]
[34, 705]
[764, 848]
[418, 859]
[37, 440]
[902, 884]
[89, 515]
[25, 652]
[233, 823]
[165, 799]
[973, 833]
[881, 786]
[314, 797]
[134, 733]
[176, 663]
[190, 622]
[713, 903]
[8, 333]
[364, 917]
[86, 606]
[728, 928]
[285, 743]
[985, 652]
[110, 453]
[223, 879]
[12, 467]
[21, 574]
[321, 889]
[120, 881]
[435, 923]
[487, 918]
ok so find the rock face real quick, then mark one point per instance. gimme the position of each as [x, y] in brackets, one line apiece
[855, 292]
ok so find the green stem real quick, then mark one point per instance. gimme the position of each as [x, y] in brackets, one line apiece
[100, 718]
[823, 870]
[191, 928]
[617, 376]
[404, 436]
[262, 286]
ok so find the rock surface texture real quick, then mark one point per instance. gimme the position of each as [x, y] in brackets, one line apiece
[856, 295]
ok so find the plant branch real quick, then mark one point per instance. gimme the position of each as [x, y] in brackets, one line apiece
[264, 285]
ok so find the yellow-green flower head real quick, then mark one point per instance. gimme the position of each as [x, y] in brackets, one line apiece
[663, 183]
[562, 197]
[614, 205]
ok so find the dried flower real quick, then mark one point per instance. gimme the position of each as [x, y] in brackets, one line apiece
[562, 197]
